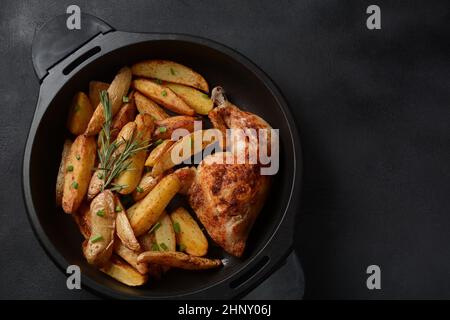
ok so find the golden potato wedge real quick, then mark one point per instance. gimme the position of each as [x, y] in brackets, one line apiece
[186, 176]
[183, 149]
[126, 114]
[130, 256]
[123, 227]
[147, 106]
[197, 100]
[80, 114]
[147, 183]
[62, 171]
[165, 235]
[98, 248]
[116, 91]
[130, 178]
[80, 163]
[95, 185]
[188, 233]
[95, 87]
[83, 219]
[169, 71]
[165, 127]
[157, 152]
[163, 96]
[145, 213]
[178, 260]
[124, 273]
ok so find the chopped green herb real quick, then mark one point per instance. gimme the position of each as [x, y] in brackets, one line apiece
[204, 95]
[70, 168]
[125, 99]
[155, 227]
[155, 247]
[163, 246]
[75, 185]
[164, 93]
[139, 189]
[100, 175]
[100, 213]
[162, 129]
[158, 142]
[176, 227]
[118, 209]
[172, 71]
[96, 239]
[158, 81]
[181, 247]
[78, 157]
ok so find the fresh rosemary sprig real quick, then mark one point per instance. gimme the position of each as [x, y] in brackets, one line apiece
[111, 161]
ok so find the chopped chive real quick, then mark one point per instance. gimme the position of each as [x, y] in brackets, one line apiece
[158, 81]
[172, 71]
[100, 213]
[155, 247]
[158, 142]
[176, 227]
[181, 247]
[78, 157]
[70, 168]
[96, 239]
[118, 209]
[100, 175]
[139, 189]
[162, 129]
[155, 227]
[164, 93]
[125, 99]
[163, 246]
[75, 185]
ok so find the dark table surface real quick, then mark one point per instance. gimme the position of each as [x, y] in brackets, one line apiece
[373, 109]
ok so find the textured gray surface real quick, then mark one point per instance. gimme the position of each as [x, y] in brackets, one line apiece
[373, 111]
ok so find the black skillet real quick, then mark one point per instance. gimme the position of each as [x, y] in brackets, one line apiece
[65, 61]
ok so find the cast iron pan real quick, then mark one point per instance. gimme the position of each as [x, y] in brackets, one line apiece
[65, 61]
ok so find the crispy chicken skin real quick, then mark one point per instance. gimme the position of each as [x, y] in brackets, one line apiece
[227, 198]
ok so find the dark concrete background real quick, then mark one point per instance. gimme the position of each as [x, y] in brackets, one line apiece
[373, 108]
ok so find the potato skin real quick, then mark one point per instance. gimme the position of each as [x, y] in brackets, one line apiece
[190, 235]
[165, 127]
[146, 106]
[95, 87]
[178, 260]
[162, 95]
[80, 114]
[157, 152]
[147, 183]
[145, 213]
[124, 273]
[126, 114]
[130, 256]
[170, 71]
[116, 91]
[81, 158]
[197, 100]
[123, 228]
[62, 171]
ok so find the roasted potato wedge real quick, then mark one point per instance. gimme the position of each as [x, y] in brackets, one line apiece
[95, 185]
[157, 152]
[183, 149]
[95, 87]
[130, 256]
[83, 219]
[80, 114]
[126, 114]
[116, 91]
[197, 100]
[124, 273]
[186, 176]
[170, 71]
[188, 233]
[130, 178]
[147, 183]
[79, 166]
[178, 260]
[62, 172]
[147, 106]
[123, 227]
[165, 235]
[162, 95]
[165, 127]
[145, 213]
[98, 248]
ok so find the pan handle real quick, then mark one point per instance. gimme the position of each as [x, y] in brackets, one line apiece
[53, 41]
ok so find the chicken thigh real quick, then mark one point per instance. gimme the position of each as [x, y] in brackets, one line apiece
[227, 197]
